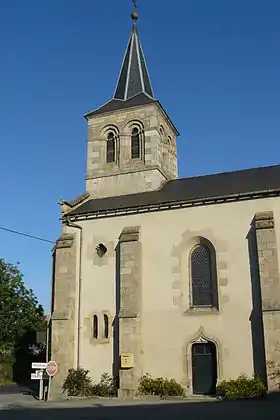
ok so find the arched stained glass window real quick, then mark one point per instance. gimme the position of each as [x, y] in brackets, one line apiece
[135, 143]
[201, 276]
[111, 148]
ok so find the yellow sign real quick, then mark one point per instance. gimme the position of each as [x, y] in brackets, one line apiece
[127, 360]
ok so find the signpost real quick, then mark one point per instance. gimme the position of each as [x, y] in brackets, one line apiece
[40, 368]
[39, 365]
[51, 371]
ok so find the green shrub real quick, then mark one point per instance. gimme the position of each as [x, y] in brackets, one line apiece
[105, 388]
[77, 383]
[6, 364]
[6, 373]
[241, 388]
[160, 386]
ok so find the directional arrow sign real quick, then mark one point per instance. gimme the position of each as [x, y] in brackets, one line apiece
[36, 365]
[37, 375]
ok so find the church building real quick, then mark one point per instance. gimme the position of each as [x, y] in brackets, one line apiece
[177, 278]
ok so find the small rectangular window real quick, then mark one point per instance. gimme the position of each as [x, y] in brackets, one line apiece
[95, 326]
[106, 326]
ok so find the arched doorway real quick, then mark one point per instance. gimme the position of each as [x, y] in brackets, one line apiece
[204, 368]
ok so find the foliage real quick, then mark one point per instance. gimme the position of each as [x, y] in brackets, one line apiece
[20, 316]
[6, 365]
[19, 309]
[77, 383]
[105, 388]
[241, 388]
[160, 386]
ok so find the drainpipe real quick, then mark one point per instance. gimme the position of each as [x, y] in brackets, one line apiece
[74, 225]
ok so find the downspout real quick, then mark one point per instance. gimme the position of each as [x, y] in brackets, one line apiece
[74, 225]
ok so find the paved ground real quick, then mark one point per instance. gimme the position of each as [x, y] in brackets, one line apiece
[30, 409]
[12, 389]
[16, 403]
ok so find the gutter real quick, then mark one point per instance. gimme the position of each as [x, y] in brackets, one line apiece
[74, 225]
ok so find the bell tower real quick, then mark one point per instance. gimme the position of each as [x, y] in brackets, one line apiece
[131, 140]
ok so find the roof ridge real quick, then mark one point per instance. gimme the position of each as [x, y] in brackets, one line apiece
[222, 173]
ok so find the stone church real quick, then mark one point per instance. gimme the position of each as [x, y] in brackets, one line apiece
[154, 274]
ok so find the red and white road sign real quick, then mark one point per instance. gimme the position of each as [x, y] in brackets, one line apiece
[51, 368]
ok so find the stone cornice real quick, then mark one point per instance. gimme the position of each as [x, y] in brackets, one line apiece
[264, 220]
[143, 168]
[65, 241]
[130, 234]
[67, 206]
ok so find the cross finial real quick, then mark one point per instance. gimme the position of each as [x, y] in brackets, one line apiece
[135, 15]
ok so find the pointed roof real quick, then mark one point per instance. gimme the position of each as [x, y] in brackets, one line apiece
[134, 86]
[134, 77]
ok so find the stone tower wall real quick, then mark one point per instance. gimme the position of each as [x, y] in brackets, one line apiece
[63, 315]
[157, 164]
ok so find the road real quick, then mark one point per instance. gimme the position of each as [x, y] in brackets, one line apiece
[12, 389]
[102, 410]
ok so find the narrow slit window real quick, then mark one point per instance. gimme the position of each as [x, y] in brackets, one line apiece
[95, 326]
[106, 326]
[111, 148]
[135, 143]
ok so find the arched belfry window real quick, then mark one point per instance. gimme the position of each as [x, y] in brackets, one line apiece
[203, 277]
[111, 147]
[162, 133]
[135, 143]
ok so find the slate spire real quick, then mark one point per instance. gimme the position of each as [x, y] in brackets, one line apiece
[134, 77]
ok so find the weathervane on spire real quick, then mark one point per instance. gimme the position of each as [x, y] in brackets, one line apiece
[134, 14]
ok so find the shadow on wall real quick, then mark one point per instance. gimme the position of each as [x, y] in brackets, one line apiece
[116, 351]
[260, 410]
[256, 318]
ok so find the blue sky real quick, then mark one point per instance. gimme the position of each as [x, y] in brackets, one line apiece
[214, 65]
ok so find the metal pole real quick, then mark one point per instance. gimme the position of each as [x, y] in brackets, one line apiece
[41, 389]
[49, 388]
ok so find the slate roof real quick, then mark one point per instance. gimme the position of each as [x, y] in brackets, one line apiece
[134, 77]
[115, 104]
[134, 85]
[201, 188]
